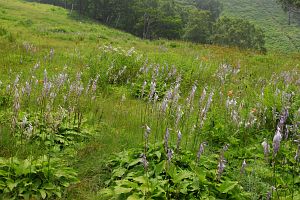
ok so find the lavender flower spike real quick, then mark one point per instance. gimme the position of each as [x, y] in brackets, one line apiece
[297, 157]
[221, 167]
[266, 147]
[145, 162]
[147, 132]
[244, 165]
[166, 139]
[276, 141]
[201, 150]
[169, 156]
[179, 137]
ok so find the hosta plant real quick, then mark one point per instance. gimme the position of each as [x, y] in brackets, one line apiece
[154, 174]
[34, 178]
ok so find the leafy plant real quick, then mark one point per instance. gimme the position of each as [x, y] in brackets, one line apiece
[181, 178]
[34, 178]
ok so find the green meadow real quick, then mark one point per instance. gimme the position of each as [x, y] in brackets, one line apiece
[90, 112]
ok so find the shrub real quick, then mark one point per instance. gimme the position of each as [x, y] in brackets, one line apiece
[238, 32]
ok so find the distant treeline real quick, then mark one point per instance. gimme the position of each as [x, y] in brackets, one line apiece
[192, 20]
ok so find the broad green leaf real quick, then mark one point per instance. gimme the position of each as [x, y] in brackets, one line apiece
[134, 197]
[171, 170]
[159, 168]
[11, 185]
[43, 193]
[126, 183]
[182, 175]
[226, 186]
[121, 190]
[133, 163]
[140, 179]
[3, 173]
[119, 172]
[158, 154]
[106, 192]
[57, 193]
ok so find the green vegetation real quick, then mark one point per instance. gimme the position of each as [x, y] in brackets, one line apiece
[90, 112]
[268, 15]
[155, 19]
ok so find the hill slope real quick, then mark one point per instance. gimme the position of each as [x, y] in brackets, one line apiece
[268, 15]
[80, 86]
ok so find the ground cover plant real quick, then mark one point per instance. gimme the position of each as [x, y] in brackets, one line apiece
[89, 112]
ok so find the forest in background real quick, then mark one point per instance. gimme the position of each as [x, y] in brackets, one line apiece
[197, 21]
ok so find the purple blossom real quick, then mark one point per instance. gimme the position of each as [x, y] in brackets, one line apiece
[179, 137]
[147, 132]
[221, 167]
[143, 89]
[145, 162]
[266, 148]
[169, 156]
[244, 165]
[166, 139]
[297, 157]
[201, 150]
[152, 90]
[276, 141]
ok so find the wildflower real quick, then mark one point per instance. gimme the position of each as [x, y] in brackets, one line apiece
[155, 98]
[147, 132]
[201, 150]
[16, 104]
[203, 95]
[283, 118]
[297, 157]
[244, 165]
[178, 115]
[164, 105]
[225, 147]
[16, 83]
[179, 137]
[221, 167]
[29, 129]
[145, 162]
[169, 155]
[191, 96]
[152, 90]
[205, 110]
[276, 141]
[24, 122]
[266, 147]
[269, 195]
[27, 88]
[166, 139]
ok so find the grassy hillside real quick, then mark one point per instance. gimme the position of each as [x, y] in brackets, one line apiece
[74, 92]
[271, 18]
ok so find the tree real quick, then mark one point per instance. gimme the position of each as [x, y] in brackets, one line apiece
[290, 6]
[213, 6]
[238, 32]
[199, 27]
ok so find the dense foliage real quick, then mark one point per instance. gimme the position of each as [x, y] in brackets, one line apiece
[154, 19]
